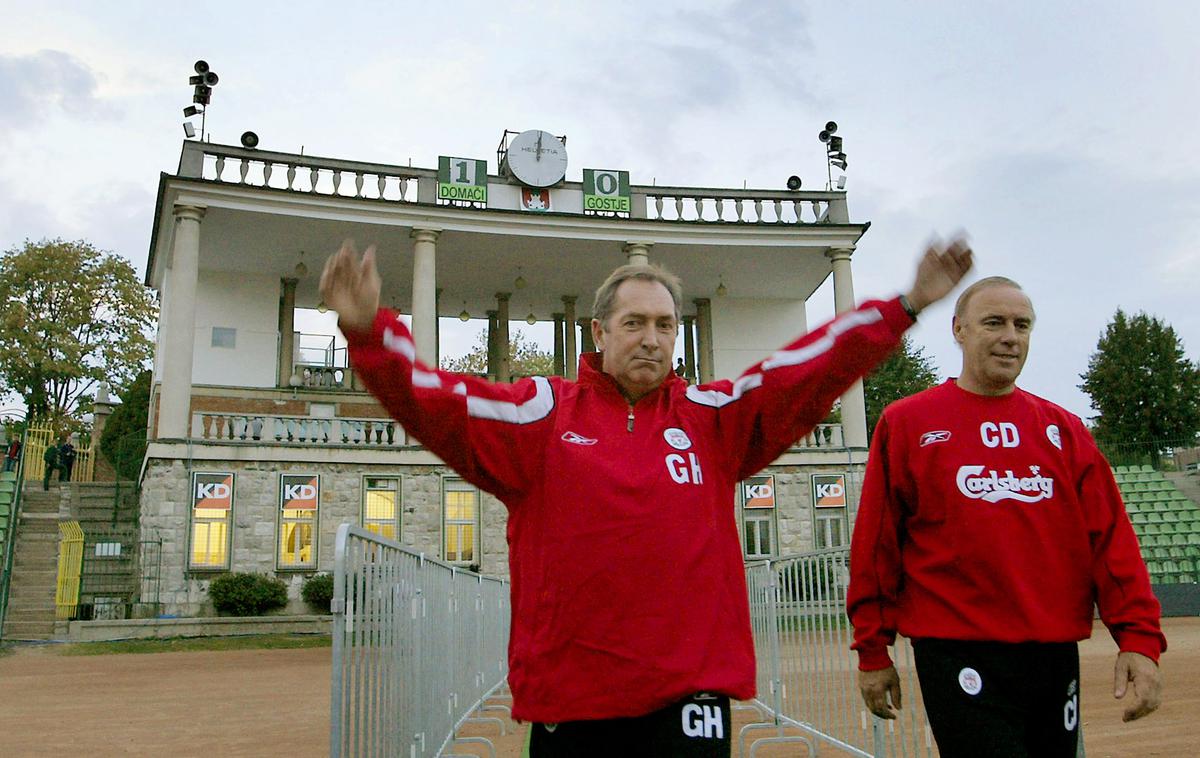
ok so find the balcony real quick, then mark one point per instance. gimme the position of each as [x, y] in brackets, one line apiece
[311, 175]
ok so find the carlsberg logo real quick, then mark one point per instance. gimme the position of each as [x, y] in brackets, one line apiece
[979, 484]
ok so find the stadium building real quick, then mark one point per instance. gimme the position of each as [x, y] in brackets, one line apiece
[262, 441]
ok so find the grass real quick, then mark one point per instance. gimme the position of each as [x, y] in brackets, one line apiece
[192, 644]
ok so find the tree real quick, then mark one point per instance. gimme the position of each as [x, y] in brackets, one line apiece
[1146, 391]
[906, 372]
[72, 316]
[123, 440]
[527, 360]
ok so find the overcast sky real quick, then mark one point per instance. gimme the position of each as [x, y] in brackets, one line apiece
[1064, 137]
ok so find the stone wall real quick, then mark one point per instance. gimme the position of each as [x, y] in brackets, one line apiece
[165, 507]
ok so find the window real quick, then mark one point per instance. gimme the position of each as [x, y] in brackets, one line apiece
[224, 336]
[830, 528]
[759, 532]
[758, 515]
[461, 522]
[212, 509]
[299, 501]
[830, 501]
[381, 500]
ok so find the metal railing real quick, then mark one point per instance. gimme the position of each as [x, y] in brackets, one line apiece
[807, 674]
[418, 647]
[70, 566]
[8, 541]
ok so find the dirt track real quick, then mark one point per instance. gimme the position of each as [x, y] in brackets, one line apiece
[276, 702]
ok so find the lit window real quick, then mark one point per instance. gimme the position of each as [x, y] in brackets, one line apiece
[380, 506]
[461, 521]
[299, 500]
[212, 509]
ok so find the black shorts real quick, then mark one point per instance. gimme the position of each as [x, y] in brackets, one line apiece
[695, 727]
[998, 699]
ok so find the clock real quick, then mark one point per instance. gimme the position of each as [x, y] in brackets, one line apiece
[536, 158]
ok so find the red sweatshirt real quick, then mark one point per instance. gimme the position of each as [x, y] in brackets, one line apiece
[992, 518]
[628, 587]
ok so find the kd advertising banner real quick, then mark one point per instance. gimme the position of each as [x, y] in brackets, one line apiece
[759, 492]
[212, 491]
[829, 490]
[299, 492]
[463, 179]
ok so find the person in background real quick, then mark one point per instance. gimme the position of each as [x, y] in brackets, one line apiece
[50, 459]
[66, 460]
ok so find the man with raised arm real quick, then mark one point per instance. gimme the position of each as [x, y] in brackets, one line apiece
[630, 619]
[988, 526]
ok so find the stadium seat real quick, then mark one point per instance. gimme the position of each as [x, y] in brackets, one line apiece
[1154, 517]
[1147, 468]
[8, 476]
[1187, 566]
[1170, 517]
[1179, 539]
[1154, 567]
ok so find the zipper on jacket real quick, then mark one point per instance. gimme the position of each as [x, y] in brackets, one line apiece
[629, 423]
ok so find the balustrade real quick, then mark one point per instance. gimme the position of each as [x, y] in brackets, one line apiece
[297, 430]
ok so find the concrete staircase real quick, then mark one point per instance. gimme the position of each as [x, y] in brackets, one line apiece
[30, 614]
[31, 606]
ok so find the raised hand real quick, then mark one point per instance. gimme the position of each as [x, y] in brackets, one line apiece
[939, 271]
[350, 287]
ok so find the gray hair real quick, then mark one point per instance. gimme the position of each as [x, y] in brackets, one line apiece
[964, 299]
[605, 296]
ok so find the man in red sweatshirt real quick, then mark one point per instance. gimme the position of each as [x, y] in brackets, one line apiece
[630, 620]
[989, 523]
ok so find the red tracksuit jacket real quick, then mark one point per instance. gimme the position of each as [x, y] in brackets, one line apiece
[628, 587]
[992, 518]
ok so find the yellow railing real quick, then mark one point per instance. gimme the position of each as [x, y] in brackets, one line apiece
[42, 436]
[70, 562]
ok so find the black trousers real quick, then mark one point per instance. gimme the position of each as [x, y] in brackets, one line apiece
[997, 699]
[695, 727]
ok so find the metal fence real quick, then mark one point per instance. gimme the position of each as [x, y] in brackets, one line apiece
[807, 674]
[418, 647]
[106, 573]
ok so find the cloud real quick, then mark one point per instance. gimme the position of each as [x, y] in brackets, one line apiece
[33, 87]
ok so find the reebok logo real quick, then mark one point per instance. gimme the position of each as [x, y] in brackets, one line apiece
[577, 439]
[928, 438]
[979, 484]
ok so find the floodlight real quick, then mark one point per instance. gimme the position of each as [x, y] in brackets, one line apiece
[201, 67]
[249, 140]
[831, 126]
[189, 131]
[793, 182]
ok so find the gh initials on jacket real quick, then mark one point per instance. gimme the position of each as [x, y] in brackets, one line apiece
[684, 471]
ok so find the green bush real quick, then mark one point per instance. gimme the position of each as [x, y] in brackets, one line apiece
[247, 594]
[318, 592]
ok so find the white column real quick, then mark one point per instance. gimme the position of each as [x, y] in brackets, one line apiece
[570, 353]
[287, 331]
[424, 294]
[175, 405]
[854, 404]
[637, 253]
[704, 339]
